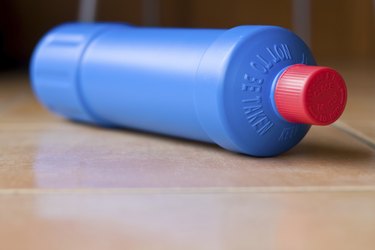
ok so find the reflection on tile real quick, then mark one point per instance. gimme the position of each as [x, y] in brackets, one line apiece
[189, 221]
[68, 155]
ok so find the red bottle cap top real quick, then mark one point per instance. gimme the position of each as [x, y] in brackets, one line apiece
[310, 94]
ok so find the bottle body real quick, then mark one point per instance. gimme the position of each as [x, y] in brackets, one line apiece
[203, 84]
[146, 77]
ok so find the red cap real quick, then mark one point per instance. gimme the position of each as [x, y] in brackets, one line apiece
[310, 94]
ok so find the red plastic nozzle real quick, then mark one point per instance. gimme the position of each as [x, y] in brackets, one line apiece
[310, 94]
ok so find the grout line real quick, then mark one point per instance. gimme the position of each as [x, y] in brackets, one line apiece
[206, 190]
[355, 134]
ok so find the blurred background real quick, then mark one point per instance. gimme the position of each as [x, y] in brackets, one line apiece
[335, 29]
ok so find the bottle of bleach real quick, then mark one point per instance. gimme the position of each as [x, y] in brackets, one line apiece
[250, 89]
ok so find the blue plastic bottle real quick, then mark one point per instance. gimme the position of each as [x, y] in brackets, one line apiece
[212, 85]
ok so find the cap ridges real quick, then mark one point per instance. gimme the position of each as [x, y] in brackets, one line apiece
[310, 94]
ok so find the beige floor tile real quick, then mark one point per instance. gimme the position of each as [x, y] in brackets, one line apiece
[335, 220]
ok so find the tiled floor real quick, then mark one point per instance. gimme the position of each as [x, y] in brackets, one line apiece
[71, 186]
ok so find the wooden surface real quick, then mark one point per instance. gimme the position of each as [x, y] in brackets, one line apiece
[70, 186]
